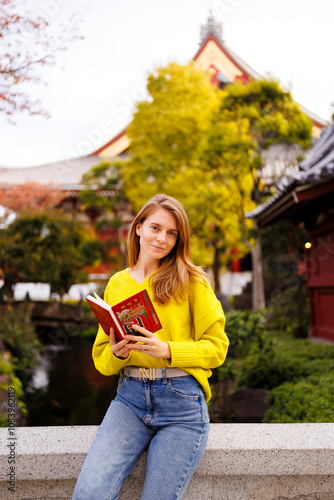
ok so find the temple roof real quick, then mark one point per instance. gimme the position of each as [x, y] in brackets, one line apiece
[67, 174]
[213, 32]
[316, 169]
[211, 28]
[213, 52]
[248, 69]
[213, 55]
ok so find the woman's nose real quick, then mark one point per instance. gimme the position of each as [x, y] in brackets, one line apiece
[161, 236]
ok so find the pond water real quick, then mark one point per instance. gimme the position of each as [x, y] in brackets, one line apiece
[66, 389]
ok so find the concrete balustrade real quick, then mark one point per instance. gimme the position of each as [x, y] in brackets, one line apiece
[241, 462]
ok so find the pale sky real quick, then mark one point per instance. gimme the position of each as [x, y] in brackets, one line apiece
[105, 74]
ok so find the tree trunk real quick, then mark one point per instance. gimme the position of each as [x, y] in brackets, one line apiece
[122, 246]
[216, 269]
[258, 300]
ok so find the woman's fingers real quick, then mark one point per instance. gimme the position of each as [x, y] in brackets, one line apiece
[142, 330]
[145, 336]
[112, 339]
[120, 349]
[148, 344]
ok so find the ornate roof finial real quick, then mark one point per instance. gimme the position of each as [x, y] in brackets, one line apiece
[212, 28]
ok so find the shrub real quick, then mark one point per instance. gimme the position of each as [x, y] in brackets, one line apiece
[309, 400]
[7, 371]
[20, 339]
[289, 312]
[281, 362]
[267, 371]
[245, 330]
[305, 348]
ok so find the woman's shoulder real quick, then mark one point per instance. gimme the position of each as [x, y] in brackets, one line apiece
[120, 274]
[119, 277]
[201, 289]
[203, 300]
[200, 283]
[119, 287]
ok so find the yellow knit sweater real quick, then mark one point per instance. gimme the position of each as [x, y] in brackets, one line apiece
[193, 328]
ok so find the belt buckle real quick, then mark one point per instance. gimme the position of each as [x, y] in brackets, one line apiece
[147, 373]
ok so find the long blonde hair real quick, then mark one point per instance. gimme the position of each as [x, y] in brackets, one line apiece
[176, 269]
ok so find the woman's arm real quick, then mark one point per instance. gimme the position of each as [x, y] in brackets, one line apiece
[105, 361]
[207, 352]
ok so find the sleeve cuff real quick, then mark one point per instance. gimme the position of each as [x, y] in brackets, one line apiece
[182, 354]
[109, 364]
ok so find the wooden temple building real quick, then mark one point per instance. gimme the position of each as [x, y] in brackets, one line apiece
[299, 196]
[213, 57]
[307, 197]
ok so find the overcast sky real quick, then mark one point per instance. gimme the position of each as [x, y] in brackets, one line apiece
[105, 74]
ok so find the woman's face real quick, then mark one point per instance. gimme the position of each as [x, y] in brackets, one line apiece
[158, 234]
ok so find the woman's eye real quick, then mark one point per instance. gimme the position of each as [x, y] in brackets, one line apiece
[172, 234]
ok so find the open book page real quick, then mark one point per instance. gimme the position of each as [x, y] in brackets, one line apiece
[105, 316]
[137, 308]
[101, 301]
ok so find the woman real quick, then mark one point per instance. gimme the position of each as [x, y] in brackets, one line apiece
[161, 397]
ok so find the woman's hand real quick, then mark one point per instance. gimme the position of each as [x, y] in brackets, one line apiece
[119, 349]
[150, 345]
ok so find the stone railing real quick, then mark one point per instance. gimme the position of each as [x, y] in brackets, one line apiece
[241, 462]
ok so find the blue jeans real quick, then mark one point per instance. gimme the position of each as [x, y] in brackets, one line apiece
[168, 418]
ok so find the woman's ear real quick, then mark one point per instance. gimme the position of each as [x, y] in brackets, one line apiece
[138, 228]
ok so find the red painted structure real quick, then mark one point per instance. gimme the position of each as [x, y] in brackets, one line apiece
[246, 75]
[320, 282]
[307, 197]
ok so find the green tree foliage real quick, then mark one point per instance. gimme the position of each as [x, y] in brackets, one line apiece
[203, 146]
[20, 339]
[47, 248]
[272, 115]
[168, 132]
[174, 140]
[226, 193]
[104, 188]
[282, 247]
[104, 194]
[282, 251]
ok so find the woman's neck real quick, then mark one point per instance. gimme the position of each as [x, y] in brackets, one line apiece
[144, 268]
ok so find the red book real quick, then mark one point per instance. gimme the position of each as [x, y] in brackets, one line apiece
[136, 309]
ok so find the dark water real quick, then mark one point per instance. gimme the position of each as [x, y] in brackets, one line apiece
[67, 389]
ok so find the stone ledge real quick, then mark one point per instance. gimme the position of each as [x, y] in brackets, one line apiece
[248, 455]
[247, 449]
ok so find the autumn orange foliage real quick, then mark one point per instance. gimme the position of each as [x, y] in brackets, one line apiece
[31, 196]
[29, 38]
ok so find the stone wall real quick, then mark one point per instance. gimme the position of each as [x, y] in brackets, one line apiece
[242, 462]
